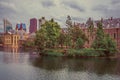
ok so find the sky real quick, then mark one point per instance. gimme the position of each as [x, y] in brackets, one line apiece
[21, 11]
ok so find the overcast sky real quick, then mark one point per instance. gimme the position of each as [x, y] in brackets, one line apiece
[20, 11]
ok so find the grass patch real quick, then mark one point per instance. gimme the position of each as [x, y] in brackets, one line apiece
[84, 52]
[54, 52]
[90, 52]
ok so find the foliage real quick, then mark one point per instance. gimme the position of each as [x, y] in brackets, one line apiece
[52, 32]
[105, 42]
[53, 52]
[78, 37]
[47, 35]
[68, 40]
[80, 43]
[40, 40]
[99, 41]
[28, 44]
[83, 52]
[61, 39]
[111, 47]
[69, 21]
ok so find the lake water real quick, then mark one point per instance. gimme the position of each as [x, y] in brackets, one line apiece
[19, 65]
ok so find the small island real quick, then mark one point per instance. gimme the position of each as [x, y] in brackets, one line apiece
[52, 40]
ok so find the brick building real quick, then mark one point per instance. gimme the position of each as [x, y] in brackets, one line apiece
[110, 26]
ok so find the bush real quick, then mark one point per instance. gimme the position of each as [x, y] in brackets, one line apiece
[84, 52]
[71, 52]
[53, 52]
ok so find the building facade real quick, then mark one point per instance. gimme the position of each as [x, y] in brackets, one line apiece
[33, 25]
[11, 40]
[110, 26]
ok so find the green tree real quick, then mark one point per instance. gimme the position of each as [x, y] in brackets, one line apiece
[80, 43]
[99, 41]
[76, 33]
[53, 32]
[104, 42]
[61, 39]
[111, 47]
[69, 21]
[68, 41]
[47, 36]
[40, 40]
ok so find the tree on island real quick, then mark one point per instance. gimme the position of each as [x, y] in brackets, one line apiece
[40, 40]
[76, 37]
[103, 42]
[47, 36]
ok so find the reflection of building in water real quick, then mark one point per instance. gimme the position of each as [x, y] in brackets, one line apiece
[12, 55]
[11, 50]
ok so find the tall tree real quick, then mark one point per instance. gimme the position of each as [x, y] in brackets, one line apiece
[76, 35]
[104, 42]
[99, 41]
[47, 36]
[52, 32]
[69, 21]
[62, 39]
[40, 40]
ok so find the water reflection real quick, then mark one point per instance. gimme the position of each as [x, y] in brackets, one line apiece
[12, 55]
[98, 66]
[16, 65]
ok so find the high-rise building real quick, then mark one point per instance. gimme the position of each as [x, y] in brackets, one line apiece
[21, 26]
[33, 25]
[7, 26]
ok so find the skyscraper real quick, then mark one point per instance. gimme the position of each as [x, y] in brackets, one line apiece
[21, 26]
[7, 26]
[33, 25]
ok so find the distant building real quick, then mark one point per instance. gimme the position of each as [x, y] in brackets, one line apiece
[33, 25]
[7, 26]
[11, 40]
[21, 26]
[109, 23]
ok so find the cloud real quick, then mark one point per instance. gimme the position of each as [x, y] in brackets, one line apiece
[47, 3]
[115, 2]
[8, 5]
[22, 10]
[108, 11]
[102, 8]
[74, 5]
[77, 19]
[7, 9]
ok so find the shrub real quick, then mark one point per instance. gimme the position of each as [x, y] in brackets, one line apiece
[53, 52]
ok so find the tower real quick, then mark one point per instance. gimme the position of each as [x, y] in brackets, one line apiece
[7, 26]
[33, 25]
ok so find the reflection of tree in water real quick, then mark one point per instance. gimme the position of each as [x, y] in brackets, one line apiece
[98, 66]
[49, 63]
[80, 65]
[105, 66]
[117, 67]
